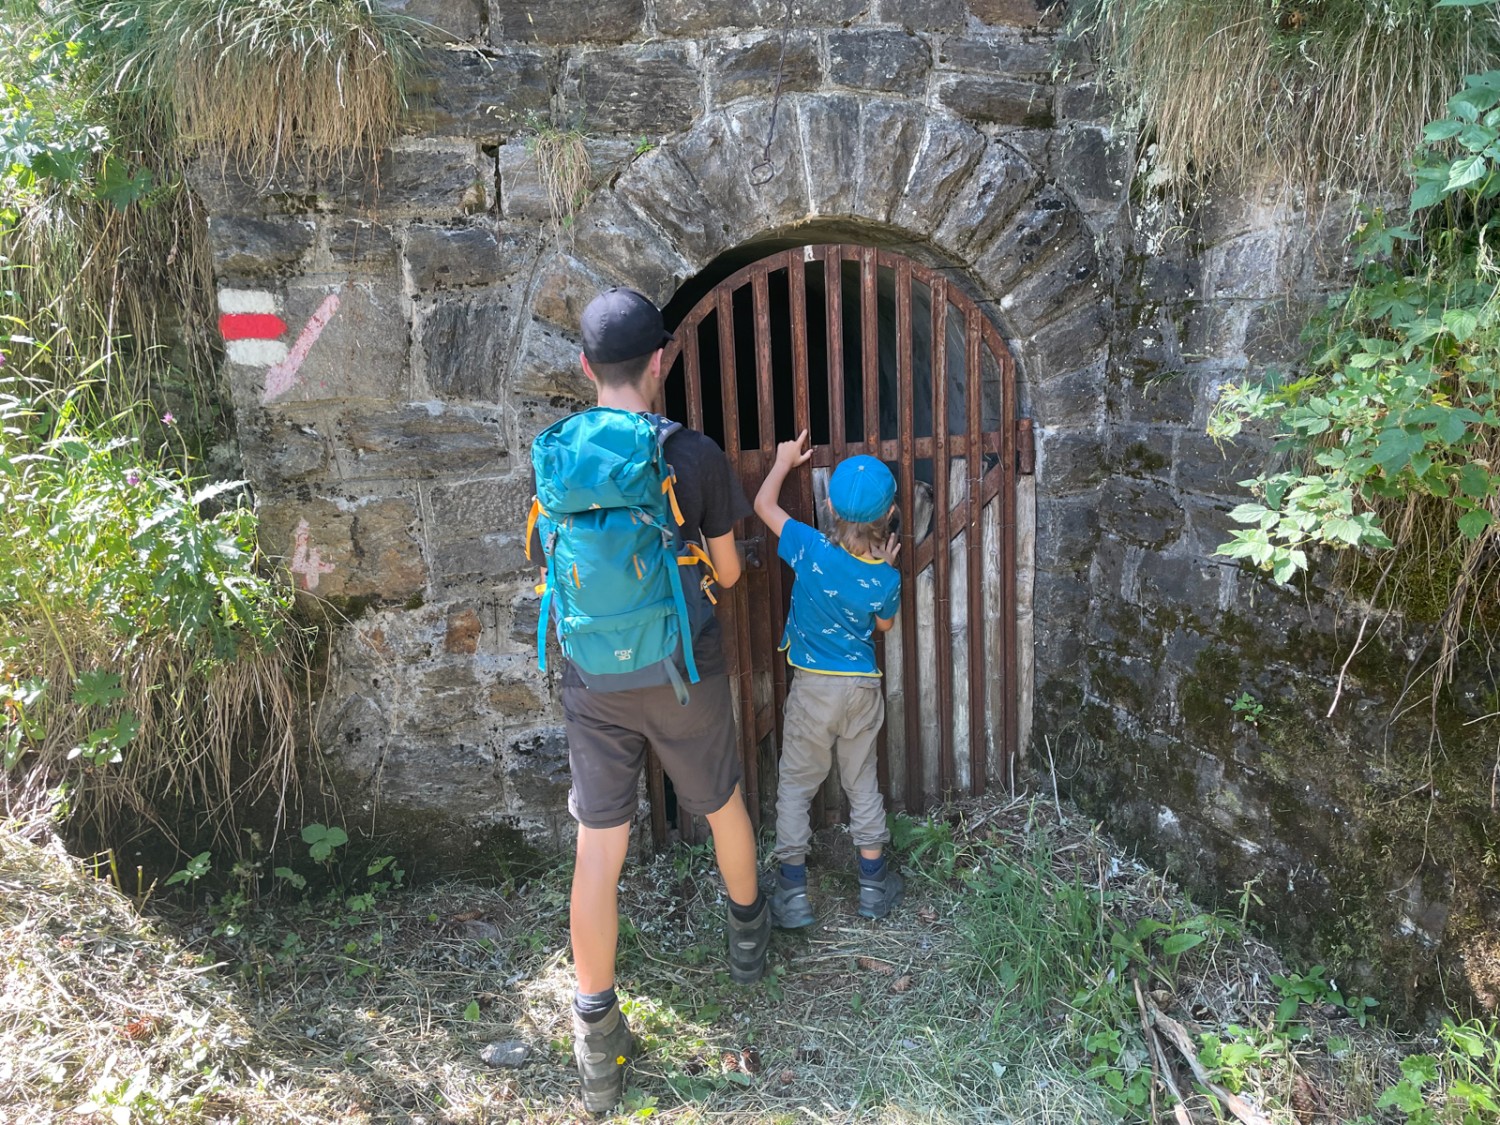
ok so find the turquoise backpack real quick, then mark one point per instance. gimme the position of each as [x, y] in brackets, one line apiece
[607, 520]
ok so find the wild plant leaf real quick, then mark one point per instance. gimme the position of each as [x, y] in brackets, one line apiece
[97, 689]
[1466, 170]
[1472, 524]
[1181, 943]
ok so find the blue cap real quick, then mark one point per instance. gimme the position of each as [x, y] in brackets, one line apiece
[861, 490]
[621, 324]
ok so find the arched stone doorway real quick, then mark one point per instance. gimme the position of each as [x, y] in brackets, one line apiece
[871, 353]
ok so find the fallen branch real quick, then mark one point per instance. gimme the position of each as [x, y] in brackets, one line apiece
[1184, 1043]
[1162, 1072]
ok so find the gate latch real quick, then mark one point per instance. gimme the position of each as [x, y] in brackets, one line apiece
[750, 549]
[1025, 447]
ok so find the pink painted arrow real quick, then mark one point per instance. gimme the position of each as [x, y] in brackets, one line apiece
[282, 377]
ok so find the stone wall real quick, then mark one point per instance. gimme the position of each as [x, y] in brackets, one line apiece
[429, 304]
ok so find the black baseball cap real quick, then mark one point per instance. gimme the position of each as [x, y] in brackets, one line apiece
[621, 324]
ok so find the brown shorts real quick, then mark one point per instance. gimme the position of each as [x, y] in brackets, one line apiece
[608, 733]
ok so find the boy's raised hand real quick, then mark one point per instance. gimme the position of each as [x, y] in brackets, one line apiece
[790, 454]
[889, 552]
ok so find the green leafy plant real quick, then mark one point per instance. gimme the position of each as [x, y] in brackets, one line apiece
[1313, 988]
[1248, 708]
[321, 840]
[1458, 1086]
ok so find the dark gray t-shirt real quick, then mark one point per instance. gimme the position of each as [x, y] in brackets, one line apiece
[712, 501]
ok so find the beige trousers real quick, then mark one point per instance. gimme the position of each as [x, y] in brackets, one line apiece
[827, 715]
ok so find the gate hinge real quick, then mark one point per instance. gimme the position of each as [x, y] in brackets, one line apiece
[1025, 447]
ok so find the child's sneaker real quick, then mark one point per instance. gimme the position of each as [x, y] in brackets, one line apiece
[747, 945]
[879, 894]
[601, 1051]
[790, 909]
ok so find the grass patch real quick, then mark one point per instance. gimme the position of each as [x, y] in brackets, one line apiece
[372, 1003]
[1322, 94]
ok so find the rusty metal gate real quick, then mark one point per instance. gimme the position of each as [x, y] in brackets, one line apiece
[873, 353]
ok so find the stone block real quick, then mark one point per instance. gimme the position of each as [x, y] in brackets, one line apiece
[360, 350]
[1045, 229]
[1071, 461]
[1181, 584]
[1084, 102]
[464, 343]
[1208, 468]
[1156, 395]
[1094, 166]
[1273, 331]
[998, 54]
[364, 548]
[1071, 400]
[877, 59]
[1140, 513]
[999, 183]
[1066, 276]
[1142, 451]
[456, 257]
[1017, 13]
[660, 187]
[549, 371]
[722, 151]
[472, 567]
[419, 441]
[621, 248]
[464, 627]
[565, 21]
[1074, 341]
[480, 94]
[987, 100]
[698, 17]
[521, 193]
[748, 65]
[652, 89]
[944, 158]
[564, 286]
[1067, 532]
[830, 136]
[896, 129]
[462, 509]
[284, 447]
[1215, 331]
[433, 180]
[923, 15]
[442, 20]
[536, 769]
[358, 243]
[1249, 266]
[249, 249]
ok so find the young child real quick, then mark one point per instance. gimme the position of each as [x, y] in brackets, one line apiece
[846, 587]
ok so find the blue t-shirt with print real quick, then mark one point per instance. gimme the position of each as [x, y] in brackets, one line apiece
[835, 600]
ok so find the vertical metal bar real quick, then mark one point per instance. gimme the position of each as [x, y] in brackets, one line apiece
[692, 375]
[833, 285]
[766, 407]
[910, 684]
[974, 463]
[942, 536]
[739, 596]
[1008, 702]
[869, 334]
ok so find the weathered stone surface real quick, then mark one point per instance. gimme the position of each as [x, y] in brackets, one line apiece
[522, 195]
[366, 548]
[748, 65]
[623, 249]
[454, 257]
[422, 440]
[888, 61]
[462, 509]
[464, 344]
[694, 17]
[1273, 331]
[464, 628]
[481, 94]
[1068, 344]
[830, 136]
[249, 249]
[536, 768]
[283, 447]
[1075, 399]
[565, 21]
[923, 15]
[723, 150]
[1192, 583]
[1045, 229]
[1017, 13]
[1140, 513]
[443, 20]
[1071, 461]
[472, 567]
[949, 150]
[652, 89]
[1251, 266]
[1156, 394]
[564, 286]
[361, 351]
[511, 1053]
[660, 187]
[996, 101]
[1084, 102]
[1210, 468]
[996, 187]
[1067, 536]
[999, 54]
[1094, 166]
[895, 129]
[357, 243]
[549, 372]
[435, 180]
[1069, 275]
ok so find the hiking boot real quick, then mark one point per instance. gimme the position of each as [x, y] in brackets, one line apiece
[879, 894]
[747, 945]
[600, 1052]
[790, 909]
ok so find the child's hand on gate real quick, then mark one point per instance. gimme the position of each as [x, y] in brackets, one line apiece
[790, 454]
[889, 552]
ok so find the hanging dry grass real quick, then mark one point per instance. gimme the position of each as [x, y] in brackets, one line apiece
[274, 82]
[562, 163]
[1322, 94]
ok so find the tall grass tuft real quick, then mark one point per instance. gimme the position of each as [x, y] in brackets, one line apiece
[271, 82]
[1320, 94]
